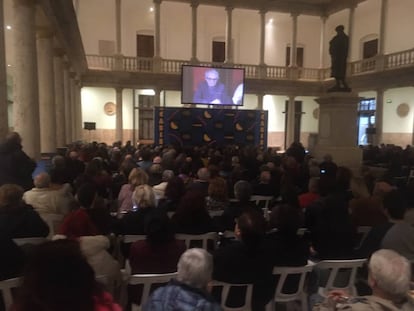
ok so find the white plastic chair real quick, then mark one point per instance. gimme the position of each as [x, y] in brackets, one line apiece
[300, 294]
[147, 280]
[6, 287]
[131, 238]
[266, 200]
[31, 240]
[205, 237]
[247, 306]
[334, 266]
[215, 213]
[53, 221]
[362, 234]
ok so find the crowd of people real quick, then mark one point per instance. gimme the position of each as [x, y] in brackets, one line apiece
[105, 191]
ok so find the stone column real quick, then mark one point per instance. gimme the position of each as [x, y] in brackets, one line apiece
[25, 88]
[379, 117]
[72, 90]
[262, 37]
[4, 122]
[260, 101]
[322, 43]
[59, 99]
[78, 109]
[351, 23]
[229, 43]
[290, 125]
[47, 109]
[157, 98]
[119, 120]
[194, 6]
[383, 26]
[338, 132]
[157, 39]
[118, 38]
[293, 46]
[67, 98]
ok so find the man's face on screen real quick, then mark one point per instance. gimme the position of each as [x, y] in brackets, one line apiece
[212, 78]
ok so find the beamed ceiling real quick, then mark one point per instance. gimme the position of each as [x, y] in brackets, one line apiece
[306, 7]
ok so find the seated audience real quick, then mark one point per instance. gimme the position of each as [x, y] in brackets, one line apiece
[217, 194]
[264, 186]
[242, 193]
[328, 220]
[201, 183]
[246, 261]
[15, 166]
[190, 290]
[173, 193]
[154, 174]
[46, 200]
[369, 211]
[305, 199]
[136, 177]
[12, 259]
[400, 237]
[159, 189]
[58, 277]
[394, 209]
[17, 219]
[389, 279]
[143, 201]
[191, 216]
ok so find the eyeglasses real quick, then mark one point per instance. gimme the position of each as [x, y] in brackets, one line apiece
[211, 79]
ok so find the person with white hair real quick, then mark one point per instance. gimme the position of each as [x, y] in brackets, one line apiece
[46, 200]
[389, 278]
[190, 290]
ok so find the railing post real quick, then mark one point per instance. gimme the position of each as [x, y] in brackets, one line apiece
[157, 68]
[293, 73]
[119, 60]
[379, 63]
[262, 71]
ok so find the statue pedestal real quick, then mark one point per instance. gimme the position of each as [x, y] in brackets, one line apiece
[338, 132]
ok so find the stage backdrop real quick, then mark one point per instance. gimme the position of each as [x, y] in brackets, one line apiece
[196, 126]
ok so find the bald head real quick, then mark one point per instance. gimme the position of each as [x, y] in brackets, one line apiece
[42, 180]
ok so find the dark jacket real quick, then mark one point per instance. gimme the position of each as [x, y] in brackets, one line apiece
[179, 296]
[15, 166]
[237, 263]
[21, 222]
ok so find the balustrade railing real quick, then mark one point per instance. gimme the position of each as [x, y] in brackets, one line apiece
[171, 66]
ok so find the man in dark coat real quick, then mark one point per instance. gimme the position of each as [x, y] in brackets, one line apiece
[15, 166]
[338, 49]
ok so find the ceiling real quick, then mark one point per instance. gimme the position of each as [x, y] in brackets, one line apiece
[306, 7]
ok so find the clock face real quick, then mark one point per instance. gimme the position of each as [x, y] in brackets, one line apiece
[110, 108]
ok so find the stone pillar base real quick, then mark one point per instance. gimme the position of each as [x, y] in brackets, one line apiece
[350, 157]
[337, 136]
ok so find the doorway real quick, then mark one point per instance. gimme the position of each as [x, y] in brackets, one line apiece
[143, 118]
[298, 120]
[366, 121]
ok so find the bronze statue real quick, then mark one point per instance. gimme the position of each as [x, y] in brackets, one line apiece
[338, 49]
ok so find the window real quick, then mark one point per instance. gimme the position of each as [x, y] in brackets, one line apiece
[145, 46]
[299, 56]
[218, 51]
[370, 48]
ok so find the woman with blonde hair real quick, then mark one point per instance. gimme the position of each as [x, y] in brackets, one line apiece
[136, 178]
[143, 200]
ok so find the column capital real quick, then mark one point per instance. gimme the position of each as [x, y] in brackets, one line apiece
[194, 3]
[157, 1]
[26, 2]
[229, 8]
[324, 18]
[119, 89]
[263, 11]
[294, 14]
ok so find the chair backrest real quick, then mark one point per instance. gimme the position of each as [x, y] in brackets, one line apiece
[205, 237]
[337, 269]
[53, 221]
[131, 238]
[362, 234]
[264, 202]
[284, 273]
[215, 213]
[6, 287]
[31, 240]
[247, 306]
[147, 280]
